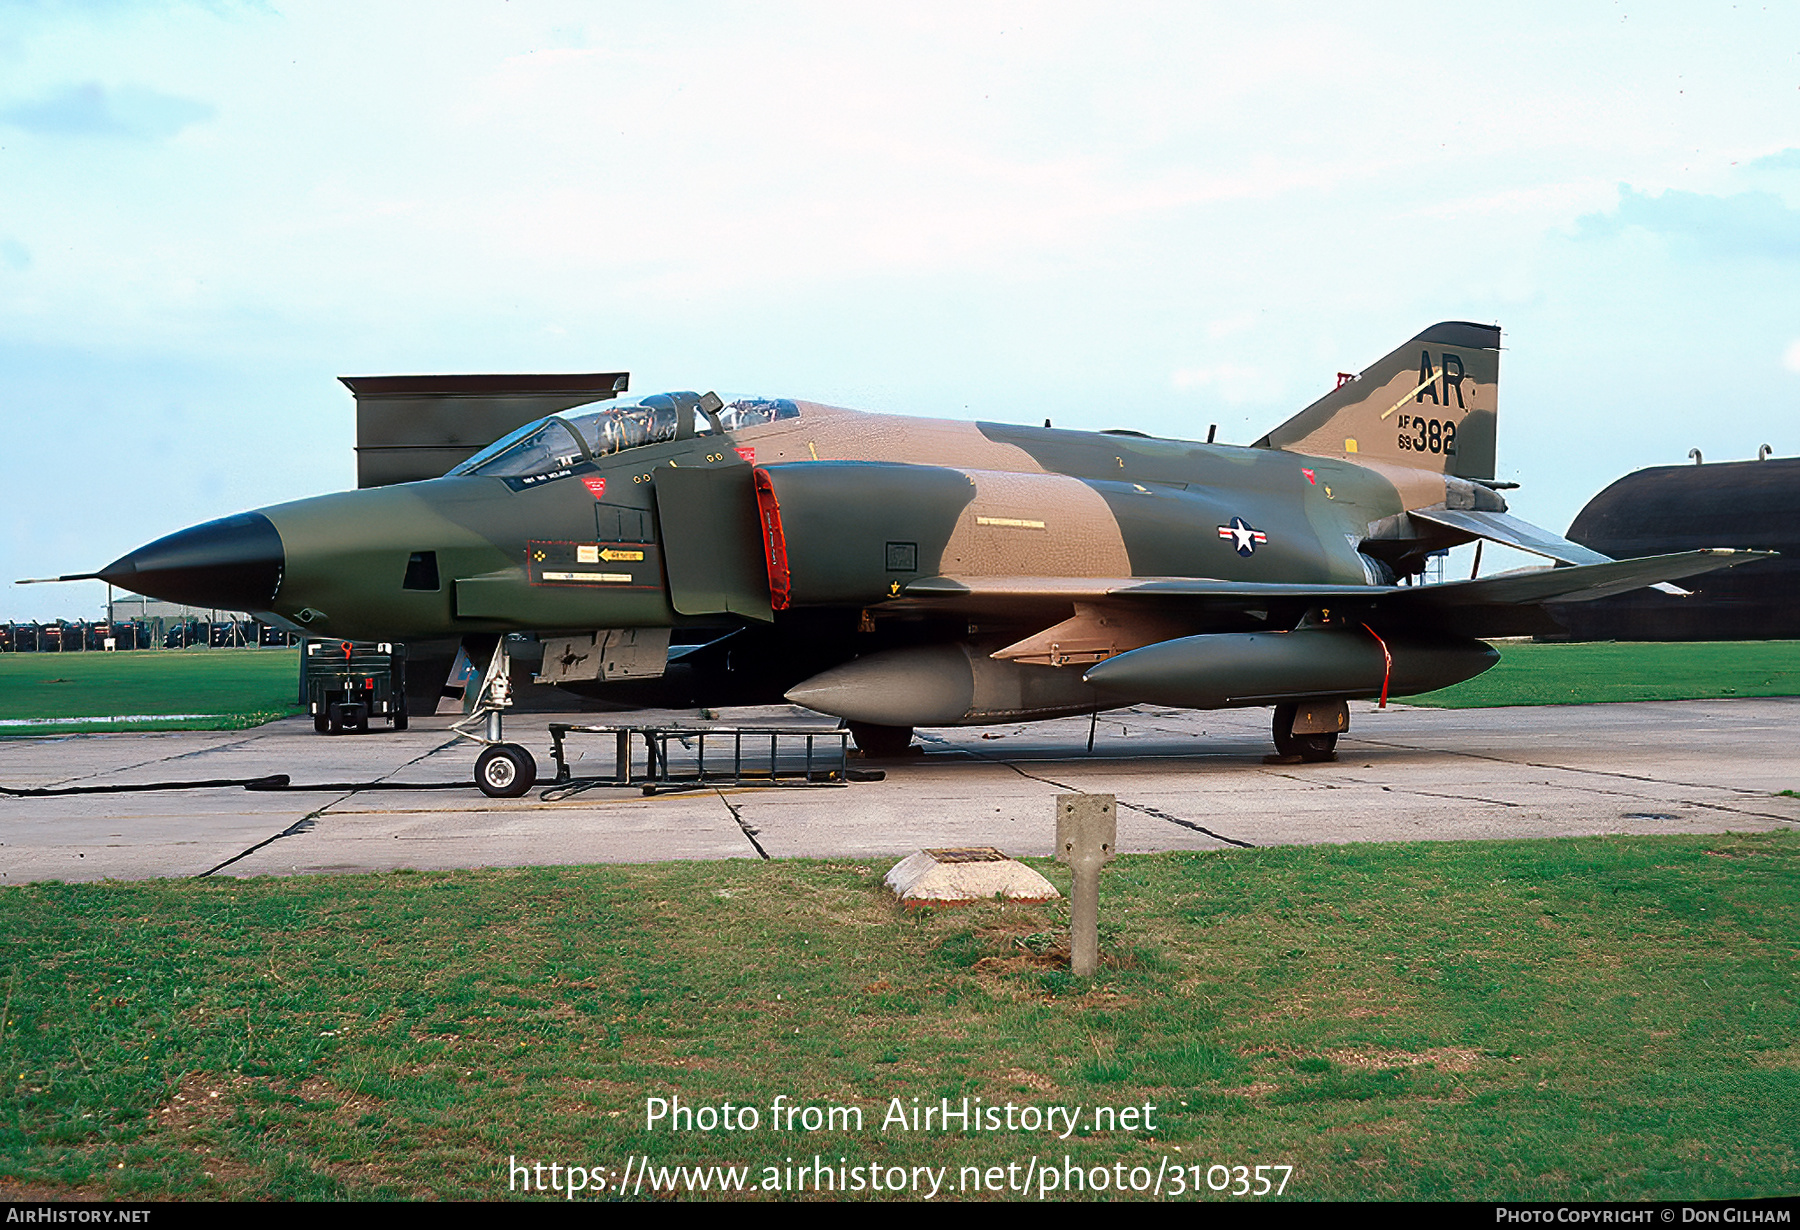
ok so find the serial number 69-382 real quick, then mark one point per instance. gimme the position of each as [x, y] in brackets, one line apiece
[1422, 435]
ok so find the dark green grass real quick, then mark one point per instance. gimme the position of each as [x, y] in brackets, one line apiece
[1530, 673]
[1608, 1018]
[244, 686]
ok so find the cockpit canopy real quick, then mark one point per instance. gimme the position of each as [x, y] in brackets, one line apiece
[562, 440]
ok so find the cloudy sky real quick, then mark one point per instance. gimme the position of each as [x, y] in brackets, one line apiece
[1135, 215]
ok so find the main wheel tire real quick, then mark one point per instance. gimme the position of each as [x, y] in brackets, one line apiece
[400, 715]
[881, 742]
[334, 719]
[1316, 749]
[505, 771]
[1311, 749]
[321, 724]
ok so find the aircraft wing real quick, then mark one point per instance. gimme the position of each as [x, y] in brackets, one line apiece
[1508, 604]
[1089, 589]
[1511, 603]
[1201, 596]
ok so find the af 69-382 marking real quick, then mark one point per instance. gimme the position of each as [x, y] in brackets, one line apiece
[1429, 435]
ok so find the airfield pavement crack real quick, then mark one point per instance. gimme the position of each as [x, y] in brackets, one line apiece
[750, 830]
[1615, 794]
[1147, 810]
[1140, 808]
[1590, 789]
[1638, 798]
[303, 824]
[1315, 782]
[1738, 811]
[1559, 768]
[155, 760]
[1444, 794]
[311, 819]
[217, 747]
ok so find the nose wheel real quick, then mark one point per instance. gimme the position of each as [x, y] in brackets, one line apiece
[505, 771]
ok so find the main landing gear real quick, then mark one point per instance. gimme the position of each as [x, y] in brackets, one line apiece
[1308, 733]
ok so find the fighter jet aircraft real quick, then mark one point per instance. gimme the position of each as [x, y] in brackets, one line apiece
[901, 572]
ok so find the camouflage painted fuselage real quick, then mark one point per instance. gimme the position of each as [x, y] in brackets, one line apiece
[957, 499]
[899, 571]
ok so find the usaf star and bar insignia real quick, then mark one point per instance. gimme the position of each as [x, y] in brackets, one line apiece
[1245, 538]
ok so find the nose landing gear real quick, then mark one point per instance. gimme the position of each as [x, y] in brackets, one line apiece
[503, 770]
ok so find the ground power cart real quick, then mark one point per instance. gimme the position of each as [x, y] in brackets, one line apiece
[345, 683]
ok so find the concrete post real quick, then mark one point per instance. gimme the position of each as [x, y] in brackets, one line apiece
[1087, 827]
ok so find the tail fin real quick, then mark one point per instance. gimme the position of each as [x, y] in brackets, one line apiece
[1430, 405]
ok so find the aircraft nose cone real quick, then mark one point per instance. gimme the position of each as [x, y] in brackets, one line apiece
[234, 564]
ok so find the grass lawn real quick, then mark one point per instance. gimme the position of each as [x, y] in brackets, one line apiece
[235, 688]
[1607, 1018]
[1578, 674]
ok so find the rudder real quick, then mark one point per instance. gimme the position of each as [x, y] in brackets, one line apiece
[1431, 405]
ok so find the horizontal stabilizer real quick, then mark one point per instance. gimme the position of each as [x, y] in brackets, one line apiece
[1512, 532]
